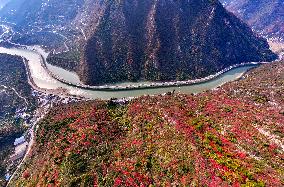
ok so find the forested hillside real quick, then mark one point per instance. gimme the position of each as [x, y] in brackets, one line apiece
[165, 40]
[17, 103]
[232, 136]
[116, 41]
[264, 16]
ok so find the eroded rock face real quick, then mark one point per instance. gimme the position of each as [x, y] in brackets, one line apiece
[265, 16]
[165, 40]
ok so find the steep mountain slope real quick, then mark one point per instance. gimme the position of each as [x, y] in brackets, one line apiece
[11, 9]
[43, 22]
[232, 136]
[134, 40]
[40, 13]
[16, 104]
[265, 16]
[164, 40]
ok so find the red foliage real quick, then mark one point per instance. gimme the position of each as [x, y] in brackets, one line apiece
[26, 174]
[117, 182]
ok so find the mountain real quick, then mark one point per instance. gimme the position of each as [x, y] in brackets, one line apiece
[40, 13]
[42, 22]
[17, 104]
[266, 17]
[231, 136]
[164, 40]
[130, 40]
[18, 11]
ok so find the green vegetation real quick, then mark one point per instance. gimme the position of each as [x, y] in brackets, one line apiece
[154, 141]
[165, 40]
[211, 139]
[15, 99]
[262, 15]
[67, 60]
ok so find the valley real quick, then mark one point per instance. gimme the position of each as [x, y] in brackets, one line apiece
[232, 88]
[43, 81]
[107, 143]
[135, 47]
[141, 93]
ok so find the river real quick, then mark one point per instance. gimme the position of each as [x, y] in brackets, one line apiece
[44, 80]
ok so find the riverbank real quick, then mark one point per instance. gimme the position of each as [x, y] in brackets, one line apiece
[44, 80]
[142, 86]
[17, 106]
[46, 102]
[136, 86]
[53, 91]
[238, 111]
[35, 87]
